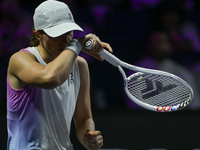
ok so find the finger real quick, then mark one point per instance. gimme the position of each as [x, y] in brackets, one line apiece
[96, 139]
[97, 56]
[86, 132]
[107, 46]
[98, 144]
[97, 47]
[95, 136]
[95, 133]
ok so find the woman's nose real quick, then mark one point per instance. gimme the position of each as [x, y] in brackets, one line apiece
[65, 39]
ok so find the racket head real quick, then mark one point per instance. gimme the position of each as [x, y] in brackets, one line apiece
[158, 92]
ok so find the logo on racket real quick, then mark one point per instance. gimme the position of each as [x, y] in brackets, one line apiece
[175, 107]
[88, 44]
[159, 88]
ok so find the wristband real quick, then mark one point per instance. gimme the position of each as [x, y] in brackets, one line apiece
[74, 45]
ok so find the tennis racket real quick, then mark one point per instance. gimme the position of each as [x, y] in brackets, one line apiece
[151, 89]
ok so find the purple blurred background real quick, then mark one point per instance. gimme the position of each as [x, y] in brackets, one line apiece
[158, 34]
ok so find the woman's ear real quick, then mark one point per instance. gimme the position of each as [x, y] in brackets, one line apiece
[69, 36]
[37, 35]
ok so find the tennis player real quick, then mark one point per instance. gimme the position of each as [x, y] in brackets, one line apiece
[48, 85]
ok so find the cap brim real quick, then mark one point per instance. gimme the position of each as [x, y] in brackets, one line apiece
[62, 29]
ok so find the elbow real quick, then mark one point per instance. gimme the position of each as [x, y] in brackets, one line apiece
[52, 81]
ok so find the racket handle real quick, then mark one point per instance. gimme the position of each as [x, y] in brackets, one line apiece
[104, 53]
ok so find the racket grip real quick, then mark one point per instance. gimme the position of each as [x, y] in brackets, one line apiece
[109, 57]
[104, 53]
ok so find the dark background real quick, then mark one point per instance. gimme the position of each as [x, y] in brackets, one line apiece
[129, 129]
[125, 25]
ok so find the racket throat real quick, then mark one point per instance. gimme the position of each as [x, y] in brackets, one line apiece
[122, 72]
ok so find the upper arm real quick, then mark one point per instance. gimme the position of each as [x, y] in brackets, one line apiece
[83, 106]
[24, 69]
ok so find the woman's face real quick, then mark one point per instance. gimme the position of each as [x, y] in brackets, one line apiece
[54, 46]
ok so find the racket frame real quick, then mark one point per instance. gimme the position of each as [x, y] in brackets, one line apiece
[119, 64]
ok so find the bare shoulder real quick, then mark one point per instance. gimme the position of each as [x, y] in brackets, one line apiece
[19, 65]
[20, 58]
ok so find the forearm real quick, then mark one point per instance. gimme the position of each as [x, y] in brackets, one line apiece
[60, 68]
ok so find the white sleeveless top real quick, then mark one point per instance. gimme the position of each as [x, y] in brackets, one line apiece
[40, 119]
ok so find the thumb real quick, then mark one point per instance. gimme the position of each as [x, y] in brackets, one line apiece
[86, 132]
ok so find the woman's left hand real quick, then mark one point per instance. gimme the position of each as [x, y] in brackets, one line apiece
[93, 140]
[98, 45]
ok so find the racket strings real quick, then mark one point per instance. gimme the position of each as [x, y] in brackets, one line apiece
[157, 90]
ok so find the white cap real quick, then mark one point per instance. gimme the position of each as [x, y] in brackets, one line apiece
[54, 18]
